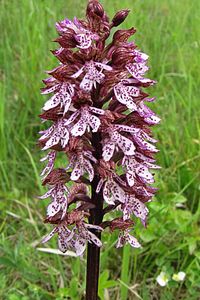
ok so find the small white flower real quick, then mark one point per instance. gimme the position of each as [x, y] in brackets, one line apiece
[162, 279]
[179, 277]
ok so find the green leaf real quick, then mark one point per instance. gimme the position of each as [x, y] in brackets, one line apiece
[105, 283]
[179, 198]
[7, 262]
[147, 236]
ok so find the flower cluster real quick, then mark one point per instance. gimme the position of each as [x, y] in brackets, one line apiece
[100, 121]
[163, 278]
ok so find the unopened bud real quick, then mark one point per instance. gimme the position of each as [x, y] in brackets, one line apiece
[67, 40]
[56, 176]
[122, 56]
[95, 7]
[123, 35]
[121, 224]
[120, 17]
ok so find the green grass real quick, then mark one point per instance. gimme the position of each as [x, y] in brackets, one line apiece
[169, 32]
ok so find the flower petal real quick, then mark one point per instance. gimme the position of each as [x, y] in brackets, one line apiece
[118, 193]
[93, 238]
[125, 145]
[108, 151]
[54, 140]
[65, 138]
[63, 243]
[77, 171]
[107, 194]
[50, 235]
[80, 246]
[53, 208]
[47, 194]
[97, 110]
[103, 66]
[100, 184]
[86, 84]
[144, 173]
[130, 178]
[121, 241]
[139, 209]
[94, 123]
[49, 90]
[46, 133]
[72, 118]
[78, 73]
[124, 95]
[89, 168]
[91, 226]
[84, 40]
[52, 102]
[79, 128]
[133, 241]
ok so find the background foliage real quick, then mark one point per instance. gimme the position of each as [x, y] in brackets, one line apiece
[169, 32]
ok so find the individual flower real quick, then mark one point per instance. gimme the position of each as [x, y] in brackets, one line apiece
[116, 141]
[143, 140]
[51, 156]
[81, 164]
[75, 239]
[59, 200]
[112, 192]
[131, 206]
[180, 276]
[148, 115]
[85, 235]
[86, 120]
[125, 94]
[93, 74]
[83, 36]
[65, 236]
[162, 279]
[136, 169]
[126, 238]
[63, 98]
[57, 133]
[138, 68]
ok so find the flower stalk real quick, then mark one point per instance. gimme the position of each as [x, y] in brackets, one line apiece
[96, 217]
[99, 120]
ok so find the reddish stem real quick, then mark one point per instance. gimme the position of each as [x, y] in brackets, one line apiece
[96, 217]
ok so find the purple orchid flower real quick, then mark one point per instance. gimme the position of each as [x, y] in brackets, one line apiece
[93, 74]
[83, 36]
[102, 125]
[75, 239]
[125, 238]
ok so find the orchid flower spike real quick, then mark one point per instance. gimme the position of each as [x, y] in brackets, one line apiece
[99, 120]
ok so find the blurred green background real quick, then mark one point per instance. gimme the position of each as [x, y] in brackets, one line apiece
[169, 32]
